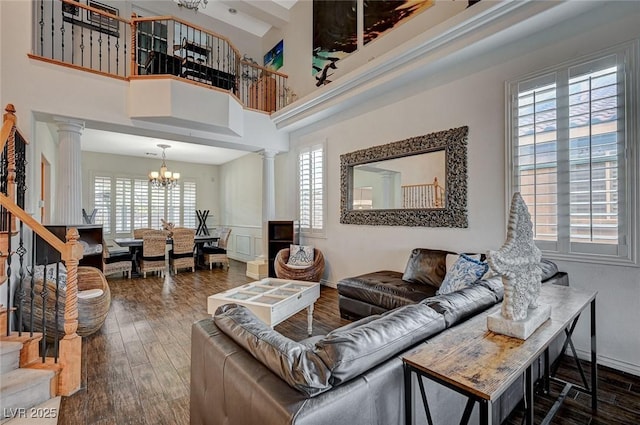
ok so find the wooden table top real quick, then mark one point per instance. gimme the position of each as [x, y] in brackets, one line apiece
[484, 363]
[138, 242]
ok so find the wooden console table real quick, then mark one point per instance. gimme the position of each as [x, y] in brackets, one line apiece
[482, 365]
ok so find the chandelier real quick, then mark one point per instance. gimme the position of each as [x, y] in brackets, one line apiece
[193, 4]
[164, 178]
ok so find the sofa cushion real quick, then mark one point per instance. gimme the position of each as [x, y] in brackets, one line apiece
[350, 351]
[385, 289]
[294, 363]
[463, 273]
[426, 266]
[459, 305]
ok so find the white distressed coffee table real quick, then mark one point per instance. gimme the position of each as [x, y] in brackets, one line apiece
[271, 300]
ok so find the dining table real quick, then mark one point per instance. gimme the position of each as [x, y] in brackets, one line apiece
[135, 244]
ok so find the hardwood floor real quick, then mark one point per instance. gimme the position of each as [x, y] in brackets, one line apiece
[136, 368]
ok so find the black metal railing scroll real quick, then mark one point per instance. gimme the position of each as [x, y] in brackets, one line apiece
[94, 37]
[91, 36]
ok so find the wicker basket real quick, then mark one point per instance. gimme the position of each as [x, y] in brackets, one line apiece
[92, 312]
[313, 273]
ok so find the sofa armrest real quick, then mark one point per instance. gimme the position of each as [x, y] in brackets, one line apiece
[228, 385]
[293, 362]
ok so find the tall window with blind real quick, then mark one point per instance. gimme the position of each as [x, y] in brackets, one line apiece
[125, 203]
[189, 205]
[568, 141]
[140, 204]
[311, 181]
[102, 202]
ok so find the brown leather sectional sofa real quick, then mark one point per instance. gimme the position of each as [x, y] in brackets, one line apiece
[245, 373]
[381, 291]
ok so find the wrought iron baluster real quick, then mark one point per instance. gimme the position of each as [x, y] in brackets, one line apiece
[62, 30]
[20, 289]
[100, 45]
[8, 253]
[217, 62]
[32, 292]
[109, 53]
[90, 48]
[53, 30]
[41, 23]
[81, 47]
[44, 295]
[125, 26]
[117, 45]
[56, 312]
[21, 169]
[73, 45]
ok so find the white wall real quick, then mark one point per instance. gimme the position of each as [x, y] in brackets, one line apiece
[475, 97]
[241, 201]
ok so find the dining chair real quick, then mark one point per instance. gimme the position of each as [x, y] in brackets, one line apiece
[153, 258]
[138, 233]
[115, 262]
[181, 255]
[217, 254]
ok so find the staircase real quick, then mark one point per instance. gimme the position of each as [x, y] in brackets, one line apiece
[23, 388]
[32, 373]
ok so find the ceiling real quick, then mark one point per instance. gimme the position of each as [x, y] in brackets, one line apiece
[146, 147]
[254, 16]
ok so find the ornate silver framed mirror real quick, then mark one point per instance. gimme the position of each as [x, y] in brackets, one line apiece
[420, 181]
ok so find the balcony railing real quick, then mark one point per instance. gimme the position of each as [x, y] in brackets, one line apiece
[92, 37]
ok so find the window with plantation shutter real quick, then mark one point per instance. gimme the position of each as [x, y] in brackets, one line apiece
[311, 189]
[123, 207]
[140, 204]
[157, 207]
[173, 206]
[569, 143]
[102, 202]
[189, 204]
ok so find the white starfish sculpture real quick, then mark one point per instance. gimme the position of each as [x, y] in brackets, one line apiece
[518, 262]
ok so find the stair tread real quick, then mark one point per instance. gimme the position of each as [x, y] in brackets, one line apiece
[20, 379]
[9, 346]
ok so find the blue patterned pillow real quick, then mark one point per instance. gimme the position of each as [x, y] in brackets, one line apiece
[465, 271]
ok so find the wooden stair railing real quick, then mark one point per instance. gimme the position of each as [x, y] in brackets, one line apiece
[70, 346]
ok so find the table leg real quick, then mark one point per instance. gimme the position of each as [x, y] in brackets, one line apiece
[485, 412]
[310, 319]
[528, 400]
[407, 394]
[594, 359]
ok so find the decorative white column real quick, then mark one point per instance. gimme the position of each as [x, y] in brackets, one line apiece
[268, 186]
[257, 269]
[68, 209]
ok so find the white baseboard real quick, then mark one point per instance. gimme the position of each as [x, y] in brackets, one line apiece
[616, 364]
[329, 283]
